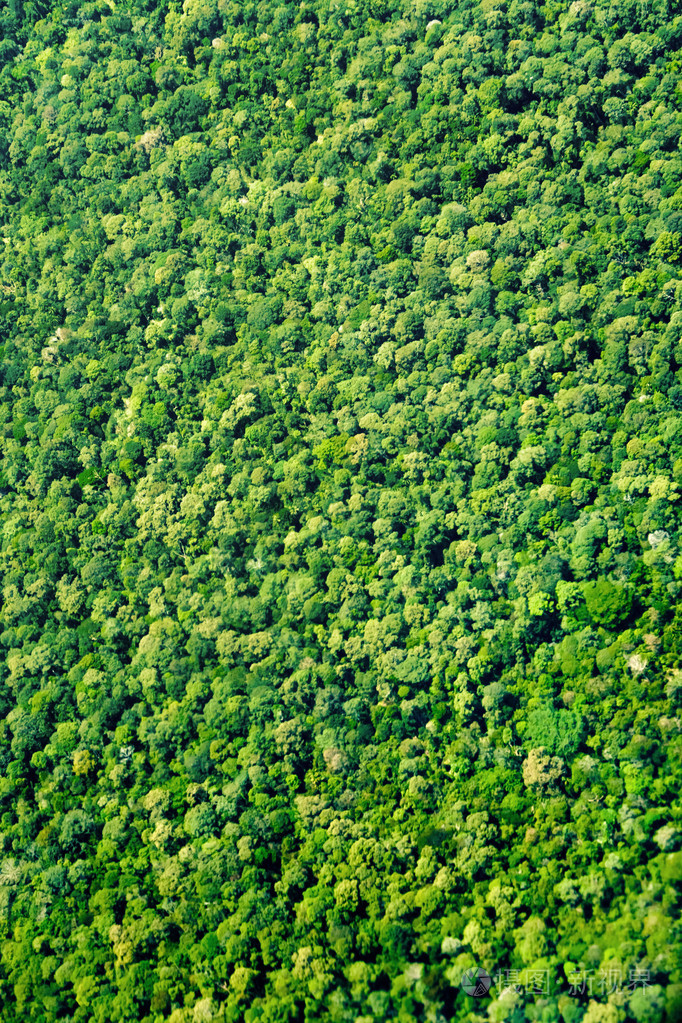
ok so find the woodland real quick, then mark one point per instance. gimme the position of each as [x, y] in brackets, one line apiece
[340, 492]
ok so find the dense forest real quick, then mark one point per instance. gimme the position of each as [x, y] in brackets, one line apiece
[340, 536]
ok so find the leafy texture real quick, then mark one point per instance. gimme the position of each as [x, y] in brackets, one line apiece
[339, 486]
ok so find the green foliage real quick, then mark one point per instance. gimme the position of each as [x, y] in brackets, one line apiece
[608, 605]
[340, 571]
[559, 731]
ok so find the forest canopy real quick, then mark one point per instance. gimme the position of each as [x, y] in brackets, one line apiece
[340, 547]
